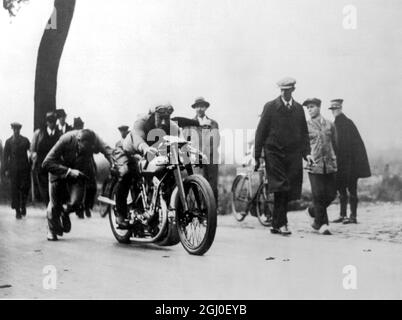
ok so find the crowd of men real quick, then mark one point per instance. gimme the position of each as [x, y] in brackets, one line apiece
[60, 162]
[60, 159]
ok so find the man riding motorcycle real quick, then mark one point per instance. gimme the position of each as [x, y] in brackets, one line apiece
[143, 140]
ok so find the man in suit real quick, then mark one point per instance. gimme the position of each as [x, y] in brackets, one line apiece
[322, 173]
[43, 140]
[352, 162]
[62, 125]
[282, 133]
[17, 168]
[71, 169]
[141, 141]
[206, 134]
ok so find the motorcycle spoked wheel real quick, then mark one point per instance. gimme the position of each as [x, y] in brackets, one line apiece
[122, 236]
[197, 227]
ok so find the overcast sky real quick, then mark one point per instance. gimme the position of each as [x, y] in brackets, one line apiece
[123, 56]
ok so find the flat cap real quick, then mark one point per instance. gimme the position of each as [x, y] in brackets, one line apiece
[286, 83]
[16, 125]
[314, 101]
[123, 128]
[336, 104]
[200, 101]
[51, 116]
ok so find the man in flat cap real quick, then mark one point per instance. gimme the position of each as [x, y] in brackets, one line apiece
[70, 166]
[17, 168]
[206, 135]
[282, 133]
[142, 140]
[322, 135]
[352, 162]
[62, 125]
[43, 140]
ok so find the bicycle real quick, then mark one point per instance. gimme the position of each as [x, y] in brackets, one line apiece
[243, 203]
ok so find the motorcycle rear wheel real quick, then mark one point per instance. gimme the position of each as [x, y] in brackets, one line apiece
[202, 215]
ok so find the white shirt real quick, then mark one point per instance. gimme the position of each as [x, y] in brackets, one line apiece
[205, 121]
[63, 128]
[290, 102]
[50, 132]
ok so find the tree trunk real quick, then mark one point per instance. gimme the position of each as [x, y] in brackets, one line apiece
[49, 55]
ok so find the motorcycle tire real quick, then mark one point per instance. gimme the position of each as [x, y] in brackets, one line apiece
[122, 236]
[201, 184]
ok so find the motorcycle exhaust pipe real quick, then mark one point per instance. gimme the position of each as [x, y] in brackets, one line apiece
[106, 200]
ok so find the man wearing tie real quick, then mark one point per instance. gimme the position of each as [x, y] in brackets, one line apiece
[282, 132]
[62, 125]
[43, 140]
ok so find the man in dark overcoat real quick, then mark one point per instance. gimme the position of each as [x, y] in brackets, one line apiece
[282, 133]
[17, 168]
[43, 140]
[352, 162]
[71, 168]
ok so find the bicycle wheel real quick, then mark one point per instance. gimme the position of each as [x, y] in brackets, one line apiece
[240, 197]
[264, 205]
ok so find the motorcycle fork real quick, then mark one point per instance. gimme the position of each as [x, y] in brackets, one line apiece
[179, 178]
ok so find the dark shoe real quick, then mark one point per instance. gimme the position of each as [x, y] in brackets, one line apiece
[350, 220]
[66, 223]
[275, 231]
[18, 215]
[339, 220]
[315, 227]
[80, 214]
[88, 213]
[23, 211]
[51, 236]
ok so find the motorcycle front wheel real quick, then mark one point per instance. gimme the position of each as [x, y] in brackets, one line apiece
[197, 226]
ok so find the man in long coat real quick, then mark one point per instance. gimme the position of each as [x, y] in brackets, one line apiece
[17, 168]
[43, 140]
[71, 168]
[352, 162]
[282, 133]
[206, 134]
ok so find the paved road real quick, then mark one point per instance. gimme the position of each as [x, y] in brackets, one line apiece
[245, 262]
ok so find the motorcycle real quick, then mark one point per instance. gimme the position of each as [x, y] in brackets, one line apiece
[167, 202]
